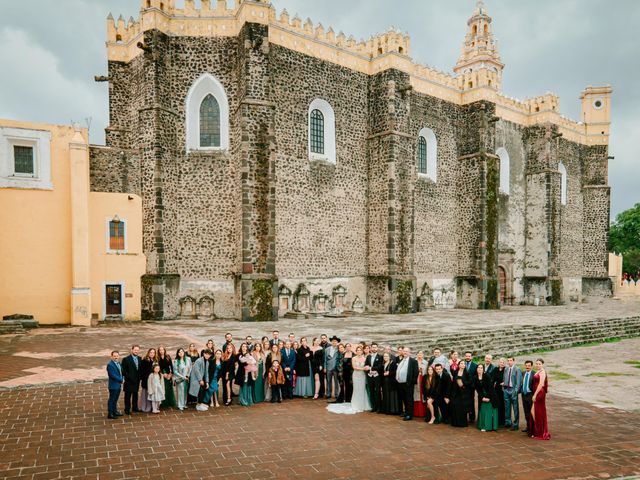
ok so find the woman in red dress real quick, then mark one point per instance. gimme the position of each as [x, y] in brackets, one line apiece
[419, 402]
[538, 420]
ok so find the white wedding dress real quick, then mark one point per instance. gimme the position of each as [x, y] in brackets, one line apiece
[359, 399]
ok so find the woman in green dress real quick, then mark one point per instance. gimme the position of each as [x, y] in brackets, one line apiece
[244, 376]
[166, 368]
[488, 413]
[258, 385]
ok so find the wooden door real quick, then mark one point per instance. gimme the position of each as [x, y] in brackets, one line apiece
[114, 300]
[502, 280]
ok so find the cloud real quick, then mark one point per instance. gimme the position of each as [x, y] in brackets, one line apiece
[34, 88]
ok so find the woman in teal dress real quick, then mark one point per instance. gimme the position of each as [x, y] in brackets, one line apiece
[258, 385]
[488, 413]
[244, 378]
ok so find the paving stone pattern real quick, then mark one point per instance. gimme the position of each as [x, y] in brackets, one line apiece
[62, 432]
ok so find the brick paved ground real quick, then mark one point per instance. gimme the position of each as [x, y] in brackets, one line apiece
[62, 432]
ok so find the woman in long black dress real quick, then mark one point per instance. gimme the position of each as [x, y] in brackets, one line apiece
[317, 366]
[389, 386]
[166, 368]
[347, 373]
[498, 380]
[457, 394]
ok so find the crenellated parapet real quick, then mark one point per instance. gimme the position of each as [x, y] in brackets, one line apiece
[477, 75]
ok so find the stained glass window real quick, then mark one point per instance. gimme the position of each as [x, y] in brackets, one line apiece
[209, 122]
[23, 160]
[116, 235]
[422, 155]
[317, 132]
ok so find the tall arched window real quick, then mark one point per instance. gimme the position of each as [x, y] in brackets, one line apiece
[207, 115]
[321, 131]
[429, 137]
[422, 155]
[209, 122]
[563, 183]
[505, 170]
[317, 132]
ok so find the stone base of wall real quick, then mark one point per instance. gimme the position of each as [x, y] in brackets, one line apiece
[159, 296]
[596, 287]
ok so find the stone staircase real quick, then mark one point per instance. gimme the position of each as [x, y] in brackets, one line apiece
[517, 340]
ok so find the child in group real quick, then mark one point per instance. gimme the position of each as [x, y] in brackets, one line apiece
[250, 367]
[276, 381]
[156, 388]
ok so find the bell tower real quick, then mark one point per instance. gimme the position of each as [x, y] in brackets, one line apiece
[479, 64]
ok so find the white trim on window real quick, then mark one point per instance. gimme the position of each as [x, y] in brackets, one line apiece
[563, 183]
[40, 141]
[432, 154]
[122, 297]
[329, 131]
[108, 236]
[505, 170]
[203, 86]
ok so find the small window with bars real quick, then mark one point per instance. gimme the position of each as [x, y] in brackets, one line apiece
[116, 235]
[23, 161]
[317, 132]
[209, 122]
[422, 155]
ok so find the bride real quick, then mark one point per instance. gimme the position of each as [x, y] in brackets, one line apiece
[360, 399]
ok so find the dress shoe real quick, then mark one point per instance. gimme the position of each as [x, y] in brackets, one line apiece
[119, 413]
[137, 410]
[514, 428]
[112, 417]
[126, 412]
[406, 419]
[524, 430]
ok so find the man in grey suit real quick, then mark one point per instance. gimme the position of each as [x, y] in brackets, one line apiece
[331, 364]
[511, 384]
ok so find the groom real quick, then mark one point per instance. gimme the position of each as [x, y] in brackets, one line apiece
[407, 377]
[374, 366]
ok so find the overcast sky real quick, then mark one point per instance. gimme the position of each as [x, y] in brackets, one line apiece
[50, 50]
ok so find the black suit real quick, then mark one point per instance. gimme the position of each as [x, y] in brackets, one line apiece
[375, 382]
[443, 386]
[527, 398]
[472, 370]
[405, 389]
[131, 375]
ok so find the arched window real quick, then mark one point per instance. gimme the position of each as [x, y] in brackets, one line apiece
[207, 115]
[209, 122]
[321, 131]
[422, 155]
[563, 183]
[317, 132]
[431, 144]
[505, 170]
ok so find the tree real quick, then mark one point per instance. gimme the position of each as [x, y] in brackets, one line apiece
[624, 238]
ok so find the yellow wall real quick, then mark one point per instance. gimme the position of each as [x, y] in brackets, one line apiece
[106, 267]
[40, 231]
[35, 239]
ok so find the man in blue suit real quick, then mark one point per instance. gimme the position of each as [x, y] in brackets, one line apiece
[114, 370]
[289, 367]
[511, 385]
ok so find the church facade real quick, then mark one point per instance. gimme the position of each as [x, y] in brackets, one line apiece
[284, 168]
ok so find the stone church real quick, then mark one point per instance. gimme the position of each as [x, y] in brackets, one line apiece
[285, 168]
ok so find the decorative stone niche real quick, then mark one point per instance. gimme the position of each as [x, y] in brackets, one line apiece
[285, 298]
[357, 305]
[205, 308]
[321, 302]
[339, 298]
[301, 299]
[188, 308]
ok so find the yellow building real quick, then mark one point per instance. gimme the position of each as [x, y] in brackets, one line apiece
[67, 255]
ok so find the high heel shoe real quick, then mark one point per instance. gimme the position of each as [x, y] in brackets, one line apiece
[315, 397]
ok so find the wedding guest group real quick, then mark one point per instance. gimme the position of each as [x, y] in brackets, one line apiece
[444, 389]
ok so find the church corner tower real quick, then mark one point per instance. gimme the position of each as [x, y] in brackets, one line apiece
[479, 64]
